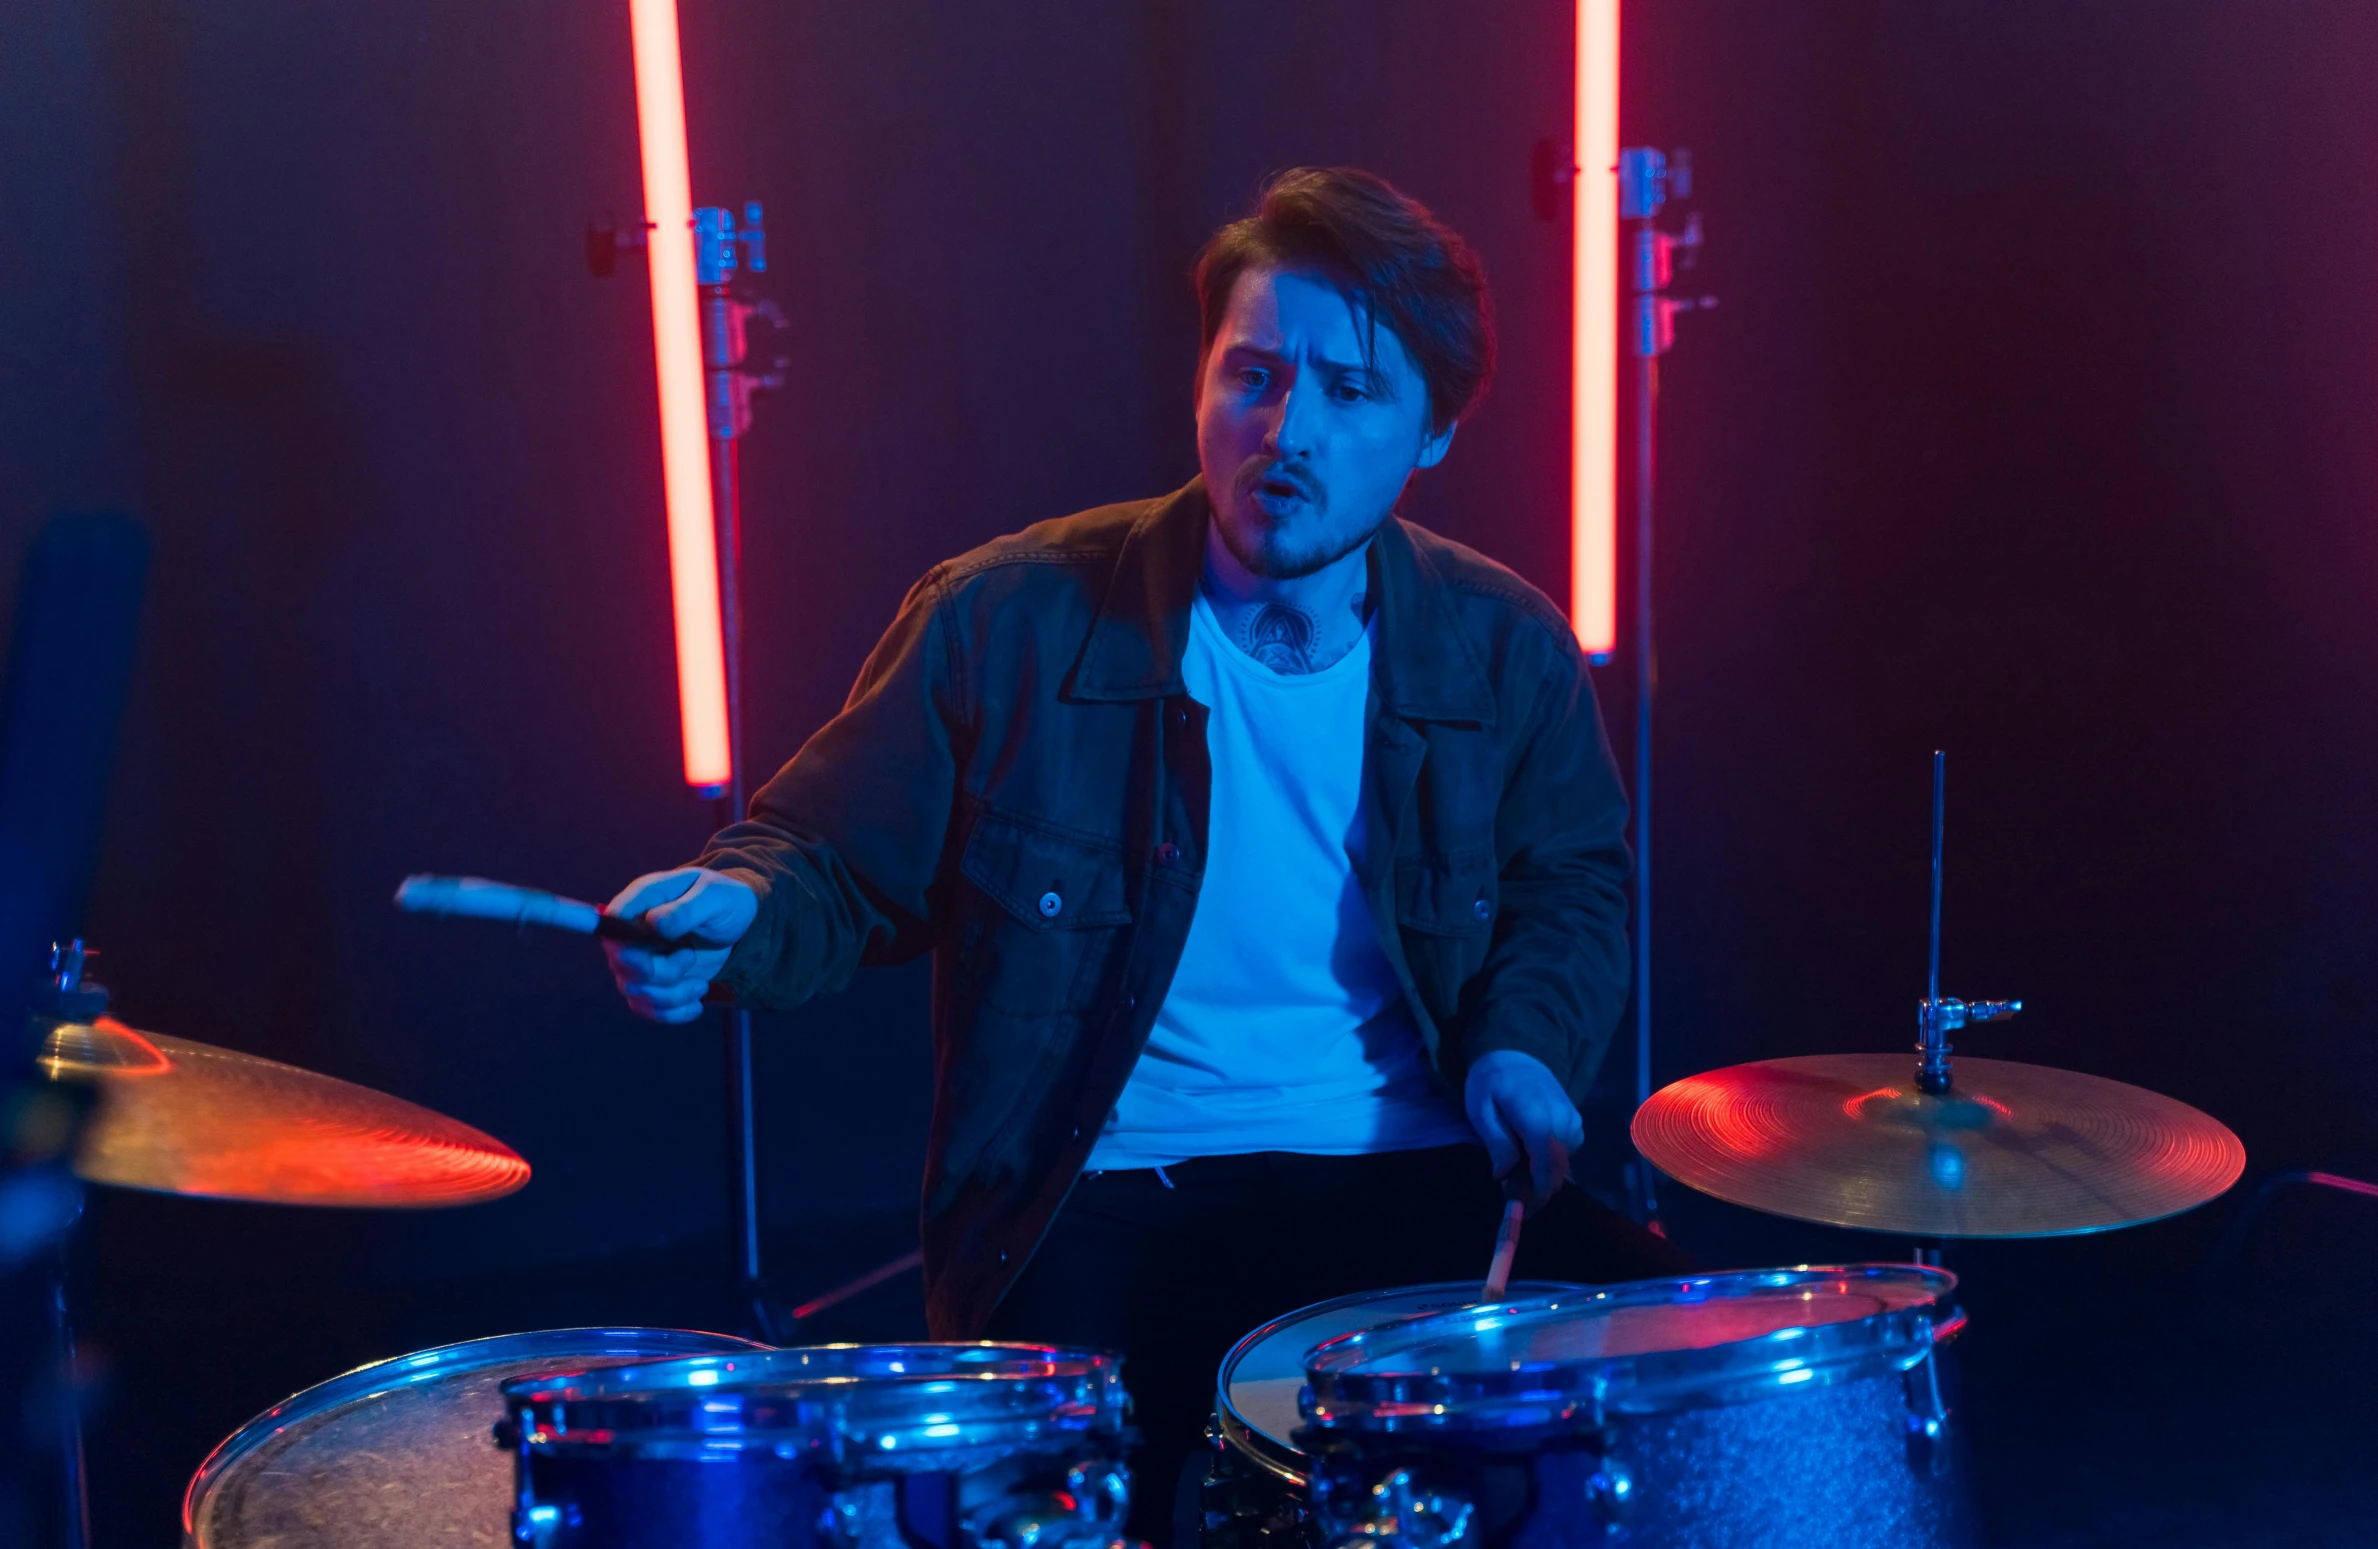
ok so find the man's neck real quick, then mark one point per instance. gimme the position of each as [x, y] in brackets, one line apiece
[1299, 625]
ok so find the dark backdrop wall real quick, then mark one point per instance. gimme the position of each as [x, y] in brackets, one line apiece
[2034, 422]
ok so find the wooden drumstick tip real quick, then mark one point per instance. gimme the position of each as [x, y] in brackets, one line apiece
[1498, 1273]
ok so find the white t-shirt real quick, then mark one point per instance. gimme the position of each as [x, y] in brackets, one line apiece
[1284, 1029]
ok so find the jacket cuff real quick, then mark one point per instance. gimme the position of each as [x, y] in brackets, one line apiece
[754, 957]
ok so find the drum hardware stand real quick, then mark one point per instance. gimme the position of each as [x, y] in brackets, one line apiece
[729, 385]
[1646, 179]
[1936, 1018]
[69, 996]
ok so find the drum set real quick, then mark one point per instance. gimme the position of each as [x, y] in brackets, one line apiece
[1770, 1407]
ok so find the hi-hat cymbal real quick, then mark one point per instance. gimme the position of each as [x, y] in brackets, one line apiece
[2012, 1151]
[187, 1118]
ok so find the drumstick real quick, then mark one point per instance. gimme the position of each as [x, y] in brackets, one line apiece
[477, 898]
[1498, 1274]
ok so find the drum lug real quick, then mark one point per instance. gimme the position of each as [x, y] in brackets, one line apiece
[1400, 1510]
[843, 1521]
[1103, 1488]
[1927, 1418]
[1088, 1515]
[1611, 1490]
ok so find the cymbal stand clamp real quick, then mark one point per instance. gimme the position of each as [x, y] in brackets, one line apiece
[1935, 1020]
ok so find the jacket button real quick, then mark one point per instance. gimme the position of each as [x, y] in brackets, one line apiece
[1131, 1003]
[1050, 903]
[1482, 908]
[1003, 1255]
[1077, 1132]
[1168, 852]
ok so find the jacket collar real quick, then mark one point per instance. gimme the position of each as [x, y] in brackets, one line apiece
[1423, 667]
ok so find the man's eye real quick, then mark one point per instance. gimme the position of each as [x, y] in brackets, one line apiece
[1253, 378]
[1347, 392]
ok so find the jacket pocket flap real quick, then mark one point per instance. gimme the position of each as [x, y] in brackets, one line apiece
[1447, 895]
[1047, 878]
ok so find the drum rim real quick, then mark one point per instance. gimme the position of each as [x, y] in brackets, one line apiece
[1483, 1398]
[421, 1366]
[1258, 1444]
[1045, 1390]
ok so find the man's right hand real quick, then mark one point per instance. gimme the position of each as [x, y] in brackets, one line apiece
[690, 901]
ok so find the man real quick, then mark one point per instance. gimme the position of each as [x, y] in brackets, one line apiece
[1269, 849]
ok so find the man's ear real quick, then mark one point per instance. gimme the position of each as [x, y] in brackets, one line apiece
[1433, 450]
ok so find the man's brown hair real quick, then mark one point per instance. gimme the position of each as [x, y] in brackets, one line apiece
[1396, 263]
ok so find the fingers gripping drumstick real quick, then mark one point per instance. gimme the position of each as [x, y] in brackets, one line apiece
[1498, 1274]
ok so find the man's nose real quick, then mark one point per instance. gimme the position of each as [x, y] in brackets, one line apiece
[1292, 422]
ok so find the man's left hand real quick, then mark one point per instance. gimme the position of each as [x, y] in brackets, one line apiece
[1519, 1108]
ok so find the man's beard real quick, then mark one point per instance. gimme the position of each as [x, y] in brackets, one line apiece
[1269, 552]
[1273, 560]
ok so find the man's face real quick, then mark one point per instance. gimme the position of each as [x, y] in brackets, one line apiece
[1304, 447]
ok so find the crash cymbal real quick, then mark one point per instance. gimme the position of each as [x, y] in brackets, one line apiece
[2011, 1151]
[187, 1118]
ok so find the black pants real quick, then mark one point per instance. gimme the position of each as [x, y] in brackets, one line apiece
[1173, 1276]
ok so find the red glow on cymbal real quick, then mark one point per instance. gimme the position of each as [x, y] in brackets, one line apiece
[189, 1118]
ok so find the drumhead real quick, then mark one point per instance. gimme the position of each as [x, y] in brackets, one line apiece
[1256, 1391]
[1642, 1348]
[401, 1452]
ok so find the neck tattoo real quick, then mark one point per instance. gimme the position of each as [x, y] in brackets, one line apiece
[1280, 636]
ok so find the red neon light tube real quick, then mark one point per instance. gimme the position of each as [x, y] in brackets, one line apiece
[1593, 345]
[677, 353]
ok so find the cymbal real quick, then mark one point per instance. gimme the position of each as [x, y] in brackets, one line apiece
[2012, 1151]
[188, 1118]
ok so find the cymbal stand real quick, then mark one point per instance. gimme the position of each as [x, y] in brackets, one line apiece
[1646, 179]
[1936, 1018]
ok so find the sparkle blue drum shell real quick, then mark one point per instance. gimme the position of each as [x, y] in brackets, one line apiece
[1775, 1408]
[398, 1453]
[832, 1446]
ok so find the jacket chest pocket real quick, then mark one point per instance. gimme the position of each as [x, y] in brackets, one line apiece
[1043, 911]
[1445, 909]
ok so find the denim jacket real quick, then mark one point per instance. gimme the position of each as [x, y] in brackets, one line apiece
[1019, 782]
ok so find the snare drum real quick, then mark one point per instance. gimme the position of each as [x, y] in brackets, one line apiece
[1769, 1407]
[923, 1446]
[396, 1453]
[1255, 1494]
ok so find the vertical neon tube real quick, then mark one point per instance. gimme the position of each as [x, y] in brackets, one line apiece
[677, 355]
[1593, 349]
